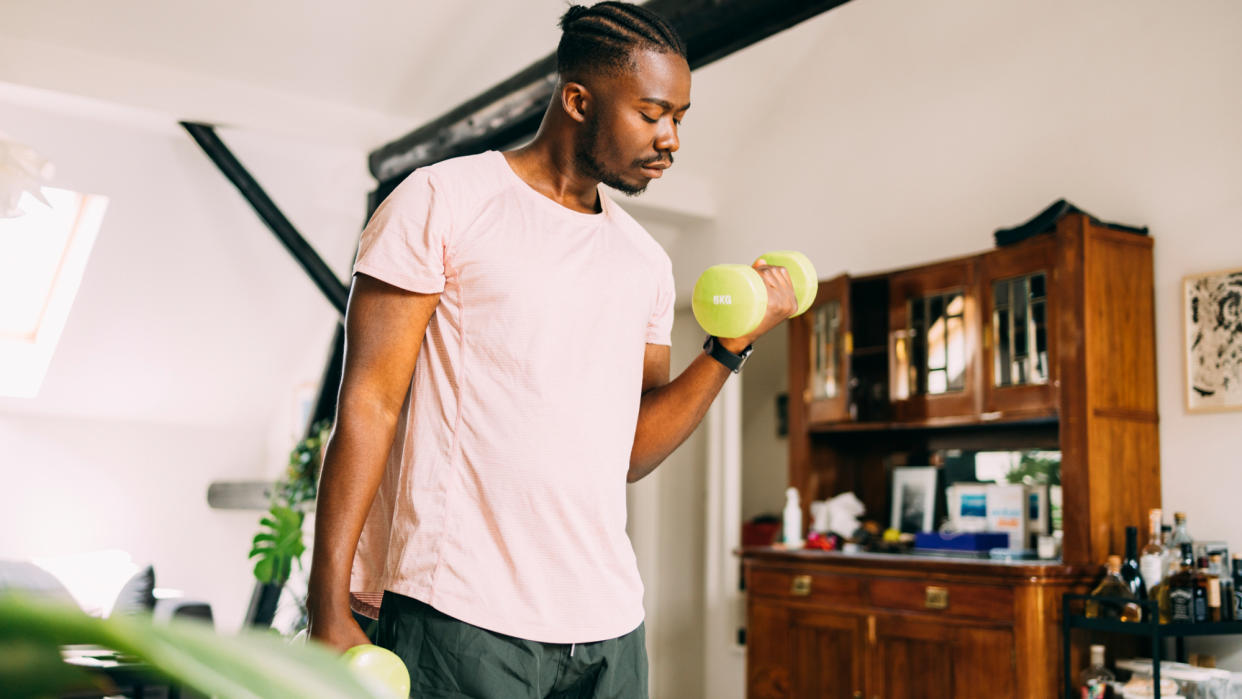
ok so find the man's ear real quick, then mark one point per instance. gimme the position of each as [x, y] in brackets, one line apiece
[575, 100]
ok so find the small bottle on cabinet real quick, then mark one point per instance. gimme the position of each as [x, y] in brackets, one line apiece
[792, 520]
[1181, 589]
[1096, 680]
[1114, 586]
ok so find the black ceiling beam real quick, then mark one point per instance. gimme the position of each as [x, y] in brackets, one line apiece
[207, 139]
[513, 109]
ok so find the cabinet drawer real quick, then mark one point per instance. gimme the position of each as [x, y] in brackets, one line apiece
[809, 587]
[966, 601]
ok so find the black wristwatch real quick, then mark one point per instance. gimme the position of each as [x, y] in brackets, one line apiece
[732, 362]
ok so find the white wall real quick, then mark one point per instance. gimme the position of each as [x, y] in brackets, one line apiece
[667, 515]
[185, 348]
[912, 130]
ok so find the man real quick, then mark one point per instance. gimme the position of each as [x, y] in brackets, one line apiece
[506, 373]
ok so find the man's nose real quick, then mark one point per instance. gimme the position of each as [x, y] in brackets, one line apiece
[666, 139]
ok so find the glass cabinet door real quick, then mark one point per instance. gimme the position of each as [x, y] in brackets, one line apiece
[1019, 334]
[1020, 331]
[827, 337]
[936, 335]
[934, 341]
[827, 342]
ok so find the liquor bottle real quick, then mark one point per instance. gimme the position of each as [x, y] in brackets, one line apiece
[1180, 535]
[1114, 586]
[1228, 611]
[1161, 594]
[1215, 610]
[1181, 589]
[1130, 565]
[1095, 680]
[1152, 564]
[1201, 590]
[1237, 586]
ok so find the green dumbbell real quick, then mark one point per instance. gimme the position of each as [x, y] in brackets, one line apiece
[381, 670]
[730, 300]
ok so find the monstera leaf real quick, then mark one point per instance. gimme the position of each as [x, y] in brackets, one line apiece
[250, 665]
[278, 545]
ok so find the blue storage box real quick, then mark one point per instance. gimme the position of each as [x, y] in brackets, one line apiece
[963, 541]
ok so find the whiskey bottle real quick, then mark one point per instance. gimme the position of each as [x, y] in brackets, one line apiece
[1180, 535]
[1181, 589]
[1112, 585]
[1161, 594]
[1130, 565]
[1214, 610]
[1201, 591]
[1228, 605]
[1237, 586]
[1152, 559]
[1095, 680]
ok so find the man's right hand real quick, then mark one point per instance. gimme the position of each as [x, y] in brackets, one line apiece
[341, 634]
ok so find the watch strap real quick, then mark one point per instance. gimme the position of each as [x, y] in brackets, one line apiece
[732, 362]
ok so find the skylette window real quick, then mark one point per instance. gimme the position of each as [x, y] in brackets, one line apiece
[42, 256]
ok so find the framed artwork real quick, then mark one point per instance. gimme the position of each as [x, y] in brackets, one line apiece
[1212, 319]
[914, 499]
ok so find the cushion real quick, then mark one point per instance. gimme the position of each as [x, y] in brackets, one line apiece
[29, 578]
[138, 594]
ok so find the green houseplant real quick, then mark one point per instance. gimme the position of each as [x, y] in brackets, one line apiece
[249, 665]
[279, 542]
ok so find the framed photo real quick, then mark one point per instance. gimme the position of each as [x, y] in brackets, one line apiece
[914, 499]
[1212, 319]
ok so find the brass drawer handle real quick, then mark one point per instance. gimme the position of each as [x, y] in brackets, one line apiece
[801, 586]
[936, 597]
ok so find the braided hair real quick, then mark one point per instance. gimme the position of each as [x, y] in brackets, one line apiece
[602, 37]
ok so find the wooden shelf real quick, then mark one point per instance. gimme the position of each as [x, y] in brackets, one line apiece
[1027, 420]
[869, 351]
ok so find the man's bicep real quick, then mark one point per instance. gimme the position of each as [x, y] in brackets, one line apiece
[655, 366]
[384, 328]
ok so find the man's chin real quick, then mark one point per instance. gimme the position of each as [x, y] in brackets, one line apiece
[627, 188]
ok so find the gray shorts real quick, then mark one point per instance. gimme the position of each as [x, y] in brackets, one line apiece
[449, 658]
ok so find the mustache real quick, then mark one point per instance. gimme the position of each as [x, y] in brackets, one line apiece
[658, 160]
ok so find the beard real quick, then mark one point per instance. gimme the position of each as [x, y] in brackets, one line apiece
[588, 161]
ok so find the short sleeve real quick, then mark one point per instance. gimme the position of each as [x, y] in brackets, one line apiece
[406, 241]
[660, 326]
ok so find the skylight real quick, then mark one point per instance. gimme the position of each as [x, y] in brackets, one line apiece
[43, 254]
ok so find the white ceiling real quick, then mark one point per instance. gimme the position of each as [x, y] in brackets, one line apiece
[359, 73]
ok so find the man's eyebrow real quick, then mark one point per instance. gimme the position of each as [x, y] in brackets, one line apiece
[664, 104]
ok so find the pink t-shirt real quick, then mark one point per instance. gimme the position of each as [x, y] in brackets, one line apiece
[503, 503]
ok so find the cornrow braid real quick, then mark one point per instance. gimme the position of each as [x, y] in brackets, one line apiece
[602, 36]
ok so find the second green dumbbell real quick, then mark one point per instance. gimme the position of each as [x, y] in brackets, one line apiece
[730, 300]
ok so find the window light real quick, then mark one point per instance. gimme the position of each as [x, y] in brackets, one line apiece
[43, 254]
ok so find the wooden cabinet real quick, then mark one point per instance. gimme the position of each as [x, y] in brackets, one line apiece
[815, 654]
[1046, 344]
[916, 658]
[898, 629]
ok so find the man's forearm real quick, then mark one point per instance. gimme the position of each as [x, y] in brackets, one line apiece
[669, 413]
[353, 469]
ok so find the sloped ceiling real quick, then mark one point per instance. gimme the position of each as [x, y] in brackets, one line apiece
[359, 73]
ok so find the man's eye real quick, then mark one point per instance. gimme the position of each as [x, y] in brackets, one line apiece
[647, 119]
